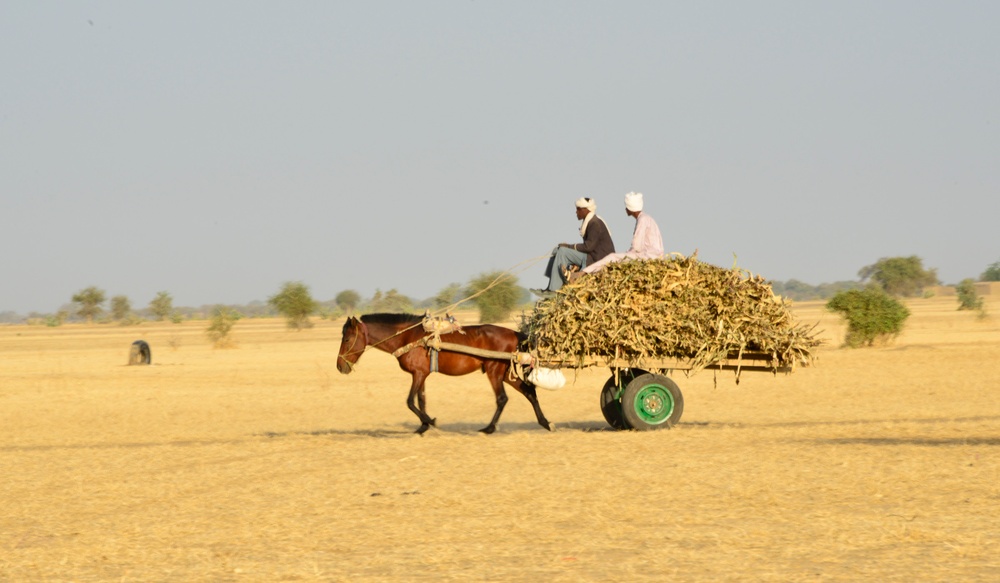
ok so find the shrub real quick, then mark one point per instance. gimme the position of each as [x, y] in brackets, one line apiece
[347, 300]
[872, 316]
[992, 273]
[223, 320]
[496, 295]
[120, 307]
[968, 299]
[294, 303]
[162, 305]
[448, 295]
[391, 301]
[900, 276]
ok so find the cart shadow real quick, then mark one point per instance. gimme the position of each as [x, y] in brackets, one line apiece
[924, 441]
[918, 420]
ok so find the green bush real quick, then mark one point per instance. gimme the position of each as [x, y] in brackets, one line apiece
[390, 302]
[347, 300]
[496, 295]
[223, 320]
[872, 316]
[992, 273]
[121, 307]
[162, 305]
[968, 299]
[294, 303]
[900, 276]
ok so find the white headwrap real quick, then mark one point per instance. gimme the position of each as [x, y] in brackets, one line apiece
[633, 201]
[590, 205]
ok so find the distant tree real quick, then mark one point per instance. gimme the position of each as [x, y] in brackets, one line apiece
[794, 289]
[968, 299]
[872, 316]
[223, 320]
[10, 317]
[992, 273]
[162, 305]
[89, 302]
[899, 276]
[294, 303]
[447, 296]
[348, 300]
[496, 294]
[391, 302]
[57, 319]
[120, 307]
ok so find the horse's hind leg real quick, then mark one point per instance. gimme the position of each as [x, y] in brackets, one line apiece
[501, 402]
[495, 375]
[528, 390]
[417, 396]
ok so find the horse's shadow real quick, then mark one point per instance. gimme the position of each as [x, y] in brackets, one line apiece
[442, 429]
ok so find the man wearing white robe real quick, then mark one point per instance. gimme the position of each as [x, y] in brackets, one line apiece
[647, 243]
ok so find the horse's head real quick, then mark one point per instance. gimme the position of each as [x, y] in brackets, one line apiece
[353, 345]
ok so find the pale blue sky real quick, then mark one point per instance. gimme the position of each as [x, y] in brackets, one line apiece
[217, 149]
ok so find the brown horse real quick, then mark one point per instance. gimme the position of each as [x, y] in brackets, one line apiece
[395, 332]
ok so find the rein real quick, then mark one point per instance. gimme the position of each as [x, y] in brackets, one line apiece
[364, 346]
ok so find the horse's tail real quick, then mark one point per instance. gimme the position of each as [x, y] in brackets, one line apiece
[522, 371]
[522, 341]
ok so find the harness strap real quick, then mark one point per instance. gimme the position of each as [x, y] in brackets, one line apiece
[406, 348]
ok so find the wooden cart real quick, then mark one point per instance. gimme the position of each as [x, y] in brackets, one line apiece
[646, 398]
[641, 398]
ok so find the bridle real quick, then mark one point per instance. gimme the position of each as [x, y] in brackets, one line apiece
[364, 345]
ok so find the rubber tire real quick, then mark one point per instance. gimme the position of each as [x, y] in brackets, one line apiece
[652, 401]
[611, 407]
[140, 353]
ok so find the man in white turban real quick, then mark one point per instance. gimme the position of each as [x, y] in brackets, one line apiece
[646, 240]
[596, 245]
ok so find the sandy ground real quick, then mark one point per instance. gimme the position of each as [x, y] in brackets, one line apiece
[263, 463]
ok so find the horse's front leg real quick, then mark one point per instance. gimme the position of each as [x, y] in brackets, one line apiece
[417, 401]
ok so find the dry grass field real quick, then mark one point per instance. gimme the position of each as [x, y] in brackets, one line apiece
[263, 463]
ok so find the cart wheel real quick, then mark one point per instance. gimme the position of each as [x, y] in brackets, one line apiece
[652, 401]
[611, 405]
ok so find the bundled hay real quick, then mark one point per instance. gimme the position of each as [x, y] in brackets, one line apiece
[677, 308]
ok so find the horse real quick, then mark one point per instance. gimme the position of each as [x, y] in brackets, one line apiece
[399, 335]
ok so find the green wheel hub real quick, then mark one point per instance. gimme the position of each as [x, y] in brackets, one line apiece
[654, 403]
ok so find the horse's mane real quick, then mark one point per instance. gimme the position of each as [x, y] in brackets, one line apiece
[391, 318]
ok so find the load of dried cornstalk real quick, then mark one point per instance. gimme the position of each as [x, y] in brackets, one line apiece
[677, 308]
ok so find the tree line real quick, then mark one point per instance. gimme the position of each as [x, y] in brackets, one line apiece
[494, 294]
[873, 312]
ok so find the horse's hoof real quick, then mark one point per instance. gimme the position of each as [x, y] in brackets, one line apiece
[423, 428]
[488, 429]
[434, 422]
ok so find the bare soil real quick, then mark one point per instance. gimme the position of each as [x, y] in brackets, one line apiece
[263, 463]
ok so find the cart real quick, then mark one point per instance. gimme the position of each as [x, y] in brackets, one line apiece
[634, 397]
[645, 398]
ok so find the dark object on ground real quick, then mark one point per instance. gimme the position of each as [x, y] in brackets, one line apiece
[139, 354]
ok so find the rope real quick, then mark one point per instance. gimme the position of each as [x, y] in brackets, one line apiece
[504, 275]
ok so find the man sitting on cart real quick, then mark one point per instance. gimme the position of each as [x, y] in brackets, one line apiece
[647, 243]
[596, 245]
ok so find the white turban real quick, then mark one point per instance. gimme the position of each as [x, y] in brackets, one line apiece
[586, 203]
[633, 201]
